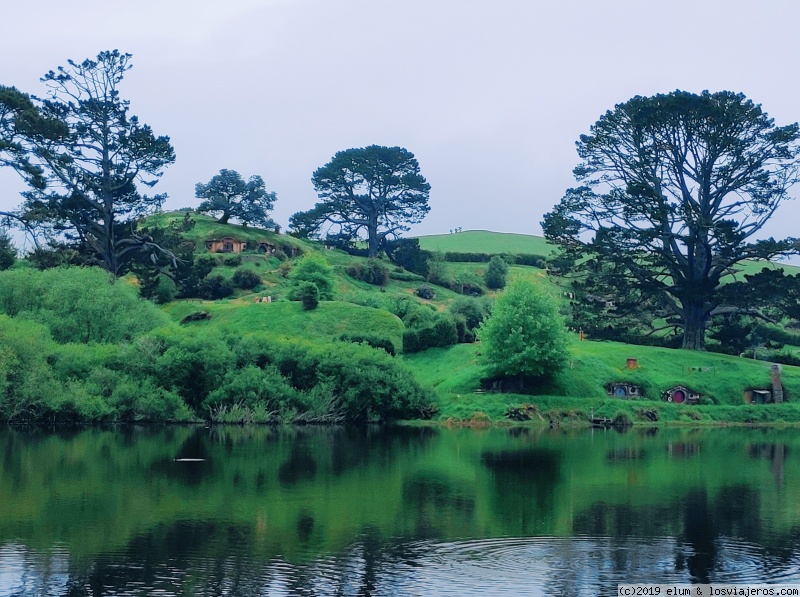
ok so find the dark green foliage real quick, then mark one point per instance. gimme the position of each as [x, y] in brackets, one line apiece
[313, 268]
[8, 253]
[496, 272]
[406, 253]
[439, 272]
[55, 254]
[251, 386]
[468, 283]
[442, 331]
[473, 310]
[673, 189]
[376, 190]
[246, 279]
[164, 291]
[308, 294]
[214, 287]
[228, 195]
[372, 272]
[373, 341]
[425, 292]
[233, 260]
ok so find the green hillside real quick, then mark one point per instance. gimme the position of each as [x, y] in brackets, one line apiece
[484, 241]
[455, 373]
[329, 321]
[207, 228]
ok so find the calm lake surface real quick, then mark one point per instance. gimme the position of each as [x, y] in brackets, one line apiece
[336, 511]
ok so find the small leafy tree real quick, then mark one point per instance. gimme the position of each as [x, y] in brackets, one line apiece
[496, 272]
[228, 195]
[314, 268]
[525, 335]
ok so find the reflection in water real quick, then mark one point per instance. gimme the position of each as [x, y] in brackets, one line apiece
[338, 511]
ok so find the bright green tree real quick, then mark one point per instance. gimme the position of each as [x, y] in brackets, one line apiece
[525, 334]
[496, 272]
[315, 269]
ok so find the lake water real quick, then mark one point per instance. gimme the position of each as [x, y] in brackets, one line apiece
[333, 511]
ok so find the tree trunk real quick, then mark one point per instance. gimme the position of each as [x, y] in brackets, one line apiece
[372, 237]
[695, 317]
[224, 218]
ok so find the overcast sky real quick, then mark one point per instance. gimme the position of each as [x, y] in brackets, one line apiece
[489, 96]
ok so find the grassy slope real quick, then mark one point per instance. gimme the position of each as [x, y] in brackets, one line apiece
[483, 241]
[207, 228]
[285, 319]
[455, 373]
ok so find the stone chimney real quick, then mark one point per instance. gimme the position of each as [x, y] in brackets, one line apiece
[777, 388]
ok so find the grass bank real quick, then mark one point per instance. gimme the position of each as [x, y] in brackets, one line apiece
[579, 390]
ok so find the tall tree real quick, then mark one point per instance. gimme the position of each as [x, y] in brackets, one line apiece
[92, 171]
[673, 189]
[20, 121]
[376, 190]
[228, 195]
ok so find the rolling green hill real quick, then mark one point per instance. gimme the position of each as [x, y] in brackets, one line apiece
[484, 241]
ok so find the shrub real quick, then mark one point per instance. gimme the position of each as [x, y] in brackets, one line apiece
[308, 294]
[233, 260]
[496, 272]
[246, 279]
[440, 333]
[425, 292]
[373, 272]
[215, 287]
[313, 268]
[165, 290]
[473, 310]
[439, 272]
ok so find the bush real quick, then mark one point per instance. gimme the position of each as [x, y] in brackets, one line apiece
[442, 332]
[439, 272]
[308, 294]
[425, 292]
[525, 334]
[473, 310]
[246, 279]
[406, 253]
[215, 287]
[313, 268]
[373, 272]
[496, 272]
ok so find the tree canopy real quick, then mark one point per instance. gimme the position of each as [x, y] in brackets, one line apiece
[228, 195]
[375, 190]
[674, 188]
[525, 335]
[84, 182]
